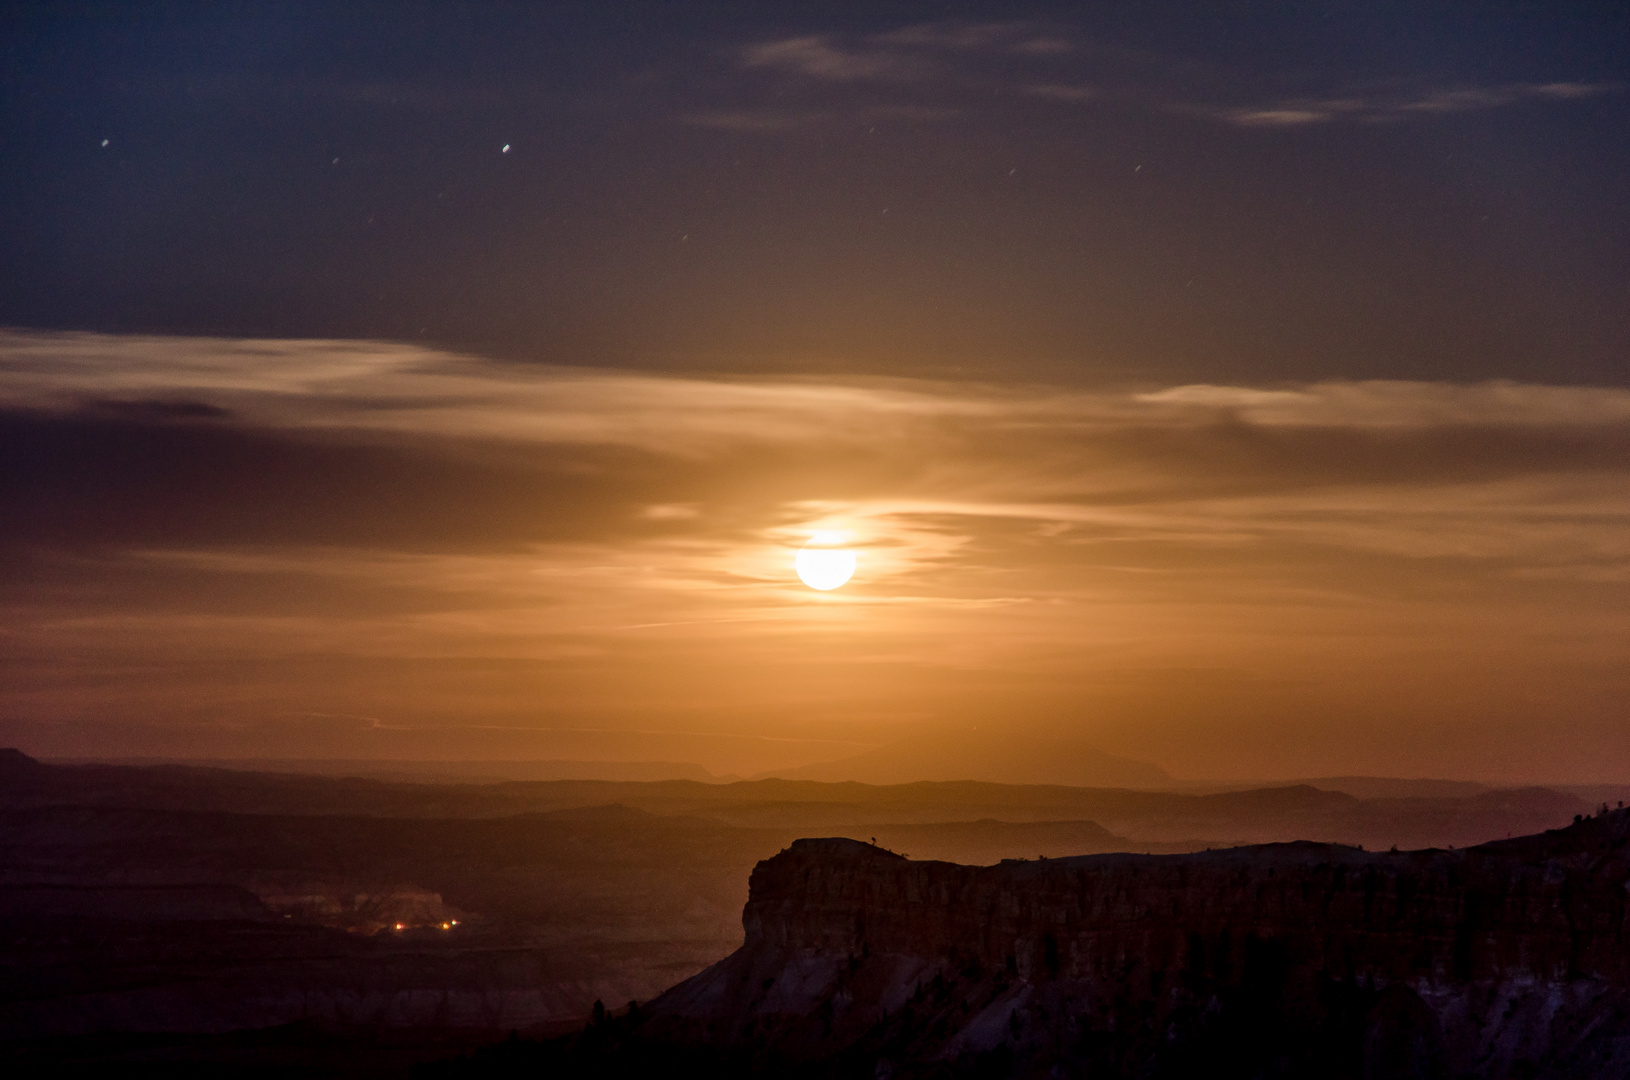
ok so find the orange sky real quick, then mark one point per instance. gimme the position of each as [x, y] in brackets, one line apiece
[357, 549]
[1241, 390]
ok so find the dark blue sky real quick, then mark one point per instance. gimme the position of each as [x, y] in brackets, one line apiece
[1252, 191]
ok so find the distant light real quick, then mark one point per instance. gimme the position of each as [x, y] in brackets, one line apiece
[104, 142]
[505, 150]
[398, 926]
[822, 564]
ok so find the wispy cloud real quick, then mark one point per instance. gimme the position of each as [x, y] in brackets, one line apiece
[911, 53]
[1039, 446]
[1063, 92]
[1381, 108]
[821, 57]
[199, 498]
[1055, 63]
[1280, 117]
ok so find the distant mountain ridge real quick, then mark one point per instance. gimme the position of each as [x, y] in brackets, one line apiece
[1146, 819]
[1378, 787]
[992, 756]
[428, 772]
[568, 872]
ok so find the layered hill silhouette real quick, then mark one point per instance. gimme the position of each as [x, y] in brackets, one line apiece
[236, 914]
[989, 755]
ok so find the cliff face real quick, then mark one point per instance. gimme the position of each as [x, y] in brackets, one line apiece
[1509, 959]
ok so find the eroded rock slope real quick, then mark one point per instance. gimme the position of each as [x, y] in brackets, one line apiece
[1511, 959]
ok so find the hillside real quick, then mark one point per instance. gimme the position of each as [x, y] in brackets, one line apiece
[1288, 960]
[192, 904]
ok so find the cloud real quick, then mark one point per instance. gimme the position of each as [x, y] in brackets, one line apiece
[1303, 112]
[1398, 404]
[331, 386]
[1571, 91]
[1062, 92]
[819, 56]
[1280, 117]
[1048, 62]
[909, 54]
[183, 506]
[417, 440]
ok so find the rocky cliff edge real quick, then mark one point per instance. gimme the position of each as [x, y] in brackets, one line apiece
[1504, 960]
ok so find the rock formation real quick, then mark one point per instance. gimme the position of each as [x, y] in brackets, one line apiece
[1511, 959]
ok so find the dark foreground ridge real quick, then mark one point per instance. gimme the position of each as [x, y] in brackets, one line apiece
[1511, 959]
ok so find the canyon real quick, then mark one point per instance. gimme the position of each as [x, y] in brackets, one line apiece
[362, 927]
[1510, 959]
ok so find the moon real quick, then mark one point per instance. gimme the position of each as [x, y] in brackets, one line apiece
[822, 564]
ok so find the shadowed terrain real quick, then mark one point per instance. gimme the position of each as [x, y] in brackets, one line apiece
[186, 904]
[1501, 961]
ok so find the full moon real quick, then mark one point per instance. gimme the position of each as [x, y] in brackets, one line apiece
[823, 566]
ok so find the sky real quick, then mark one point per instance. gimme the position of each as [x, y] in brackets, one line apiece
[1236, 387]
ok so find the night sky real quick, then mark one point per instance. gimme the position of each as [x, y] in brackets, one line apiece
[1240, 387]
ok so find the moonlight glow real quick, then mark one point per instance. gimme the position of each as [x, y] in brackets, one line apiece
[821, 564]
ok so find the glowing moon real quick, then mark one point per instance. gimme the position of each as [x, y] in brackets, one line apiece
[822, 566]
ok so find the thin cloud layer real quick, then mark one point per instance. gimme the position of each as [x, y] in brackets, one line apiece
[911, 53]
[1053, 548]
[816, 56]
[886, 450]
[1392, 108]
[369, 386]
[961, 64]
